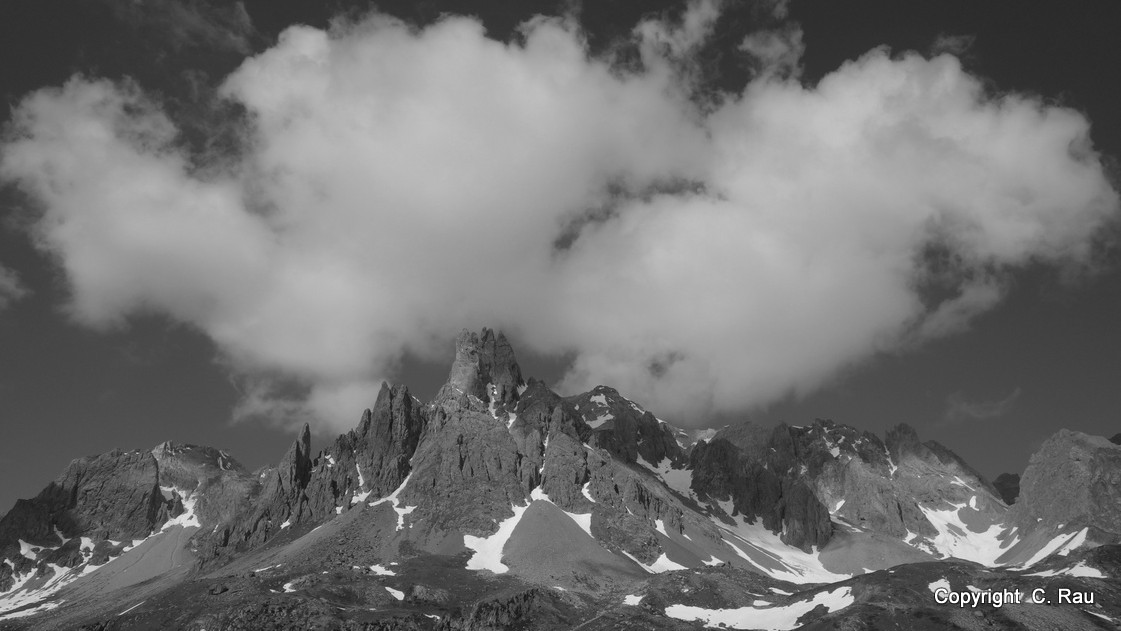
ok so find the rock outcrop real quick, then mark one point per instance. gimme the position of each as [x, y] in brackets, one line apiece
[759, 489]
[108, 499]
[370, 460]
[483, 361]
[623, 428]
[218, 482]
[115, 495]
[1075, 480]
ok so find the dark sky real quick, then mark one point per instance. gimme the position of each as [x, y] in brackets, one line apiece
[1047, 356]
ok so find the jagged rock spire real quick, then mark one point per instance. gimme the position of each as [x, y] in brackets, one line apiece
[485, 359]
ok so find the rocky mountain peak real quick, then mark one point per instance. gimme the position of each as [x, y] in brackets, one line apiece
[186, 466]
[902, 440]
[1073, 478]
[483, 360]
[295, 468]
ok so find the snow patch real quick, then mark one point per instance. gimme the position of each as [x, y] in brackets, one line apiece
[30, 612]
[660, 526]
[676, 479]
[28, 550]
[382, 571]
[1081, 569]
[600, 420]
[360, 497]
[187, 518]
[1060, 542]
[773, 557]
[399, 595]
[583, 520]
[1074, 543]
[774, 618]
[955, 539]
[131, 608]
[392, 498]
[488, 550]
[941, 583]
[587, 493]
[632, 599]
[661, 564]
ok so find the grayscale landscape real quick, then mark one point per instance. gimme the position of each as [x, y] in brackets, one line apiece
[542, 316]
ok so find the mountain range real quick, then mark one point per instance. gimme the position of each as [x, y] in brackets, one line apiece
[503, 505]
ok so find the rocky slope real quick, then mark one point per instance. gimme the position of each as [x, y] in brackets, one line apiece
[500, 504]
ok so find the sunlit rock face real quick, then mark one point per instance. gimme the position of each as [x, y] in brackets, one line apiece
[1074, 479]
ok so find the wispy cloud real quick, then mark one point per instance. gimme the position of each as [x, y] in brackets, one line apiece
[960, 408]
[957, 45]
[190, 23]
[11, 289]
[399, 183]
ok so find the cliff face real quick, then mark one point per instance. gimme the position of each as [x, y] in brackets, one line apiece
[1074, 479]
[760, 490]
[98, 506]
[623, 428]
[373, 459]
[485, 361]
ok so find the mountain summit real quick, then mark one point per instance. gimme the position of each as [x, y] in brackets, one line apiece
[501, 504]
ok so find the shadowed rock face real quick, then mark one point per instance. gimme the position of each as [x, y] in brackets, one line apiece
[1074, 478]
[373, 458]
[280, 498]
[115, 495]
[790, 476]
[623, 428]
[219, 482]
[761, 490]
[1008, 484]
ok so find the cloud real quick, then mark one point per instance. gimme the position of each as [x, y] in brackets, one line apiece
[959, 408]
[399, 184]
[958, 45]
[776, 52]
[11, 289]
[190, 23]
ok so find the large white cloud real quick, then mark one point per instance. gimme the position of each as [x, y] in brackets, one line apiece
[403, 183]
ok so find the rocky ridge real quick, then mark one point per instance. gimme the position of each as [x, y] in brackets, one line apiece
[486, 476]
